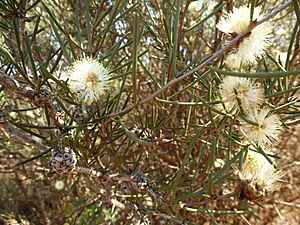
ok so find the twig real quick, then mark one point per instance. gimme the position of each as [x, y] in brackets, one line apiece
[143, 211]
[122, 178]
[228, 196]
[13, 130]
[207, 62]
[39, 97]
[89, 202]
[21, 136]
[217, 37]
[14, 86]
[96, 174]
[181, 20]
[286, 203]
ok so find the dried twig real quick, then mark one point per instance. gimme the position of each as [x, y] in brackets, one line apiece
[290, 204]
[21, 136]
[13, 85]
[138, 181]
[7, 126]
[40, 98]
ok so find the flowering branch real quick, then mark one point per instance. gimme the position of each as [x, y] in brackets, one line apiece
[207, 62]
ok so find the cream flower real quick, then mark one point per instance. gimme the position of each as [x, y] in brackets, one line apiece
[252, 46]
[267, 130]
[89, 79]
[195, 6]
[59, 184]
[259, 176]
[236, 89]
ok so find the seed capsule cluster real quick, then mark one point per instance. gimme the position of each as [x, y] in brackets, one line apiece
[140, 181]
[142, 134]
[63, 160]
[42, 97]
[252, 191]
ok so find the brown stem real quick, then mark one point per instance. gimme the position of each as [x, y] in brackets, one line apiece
[181, 20]
[119, 178]
[21, 136]
[217, 37]
[14, 86]
[36, 96]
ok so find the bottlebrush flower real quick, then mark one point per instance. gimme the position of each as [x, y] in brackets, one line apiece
[252, 46]
[258, 177]
[236, 89]
[267, 130]
[89, 79]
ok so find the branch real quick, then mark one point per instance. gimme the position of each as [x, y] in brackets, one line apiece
[21, 136]
[8, 127]
[39, 97]
[14, 86]
[207, 62]
[138, 181]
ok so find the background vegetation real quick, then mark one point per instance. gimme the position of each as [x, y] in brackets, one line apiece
[177, 167]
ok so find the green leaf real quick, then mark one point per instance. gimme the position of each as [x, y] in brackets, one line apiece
[33, 158]
[175, 38]
[77, 22]
[291, 44]
[217, 9]
[88, 25]
[216, 179]
[180, 172]
[278, 93]
[56, 26]
[136, 41]
[111, 20]
[219, 211]
[6, 53]
[189, 103]
[262, 75]
[212, 217]
[33, 67]
[49, 75]
[61, 43]
[133, 137]
[297, 10]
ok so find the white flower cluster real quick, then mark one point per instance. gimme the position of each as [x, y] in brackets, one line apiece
[259, 177]
[242, 95]
[260, 129]
[235, 90]
[245, 98]
[250, 47]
